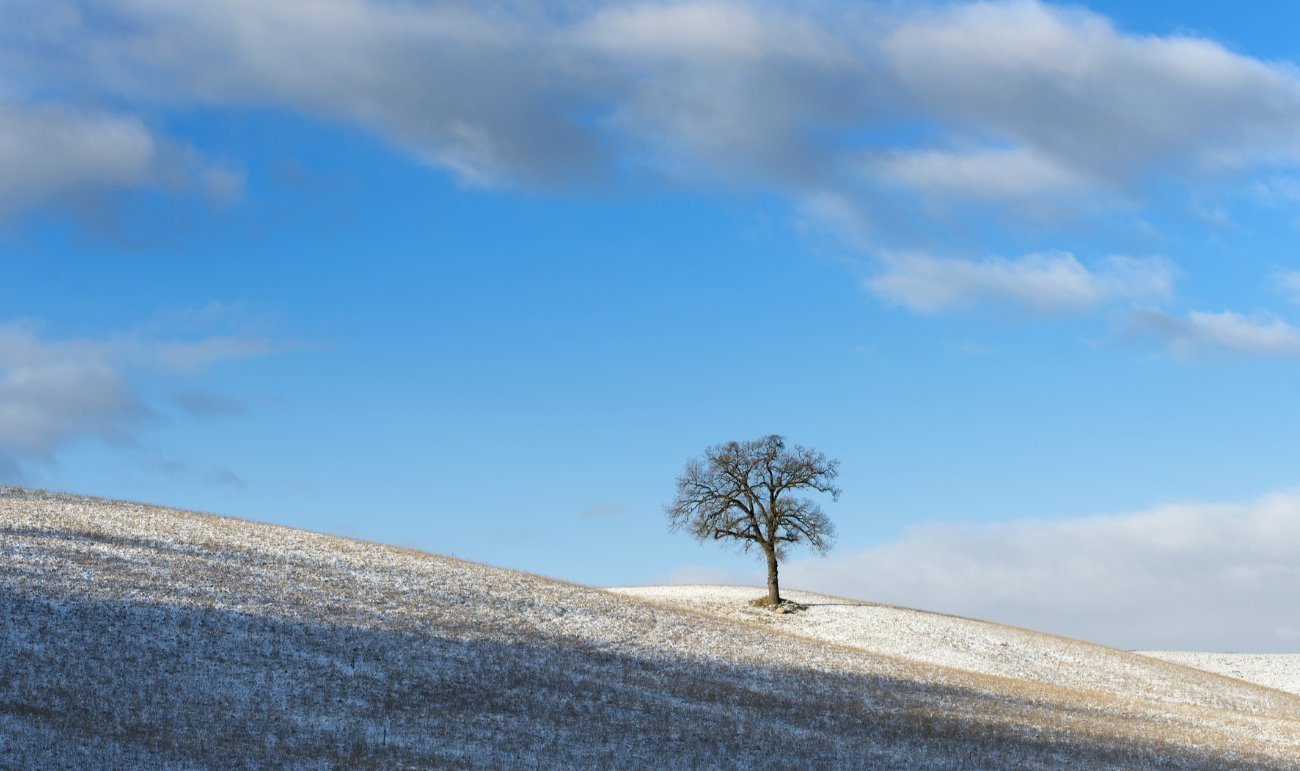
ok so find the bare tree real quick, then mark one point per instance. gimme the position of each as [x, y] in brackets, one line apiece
[746, 491]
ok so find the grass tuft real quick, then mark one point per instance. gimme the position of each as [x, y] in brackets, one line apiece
[784, 606]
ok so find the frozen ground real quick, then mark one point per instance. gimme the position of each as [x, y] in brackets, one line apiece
[134, 636]
[1276, 670]
[979, 646]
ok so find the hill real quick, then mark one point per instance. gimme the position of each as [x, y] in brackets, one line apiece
[1275, 670]
[135, 636]
[980, 646]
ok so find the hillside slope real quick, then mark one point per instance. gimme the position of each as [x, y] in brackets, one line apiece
[1275, 670]
[135, 636]
[987, 648]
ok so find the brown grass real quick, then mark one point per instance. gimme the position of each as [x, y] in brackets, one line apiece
[137, 636]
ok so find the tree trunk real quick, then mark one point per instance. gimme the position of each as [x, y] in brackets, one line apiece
[773, 590]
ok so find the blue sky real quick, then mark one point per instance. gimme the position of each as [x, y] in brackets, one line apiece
[480, 278]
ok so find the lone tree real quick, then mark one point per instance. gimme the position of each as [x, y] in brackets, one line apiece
[747, 491]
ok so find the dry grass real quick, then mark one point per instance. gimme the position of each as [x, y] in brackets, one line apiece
[782, 607]
[141, 637]
[956, 642]
[1274, 670]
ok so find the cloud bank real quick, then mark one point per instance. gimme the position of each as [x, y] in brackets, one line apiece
[1197, 577]
[1022, 98]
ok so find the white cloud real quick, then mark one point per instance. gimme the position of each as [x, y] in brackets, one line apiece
[1045, 283]
[1225, 333]
[780, 95]
[736, 92]
[44, 151]
[877, 121]
[724, 32]
[1000, 173]
[1066, 85]
[479, 89]
[63, 392]
[1211, 577]
[47, 151]
[54, 393]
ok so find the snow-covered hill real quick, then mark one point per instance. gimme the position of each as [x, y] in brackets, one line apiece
[1276, 670]
[133, 636]
[979, 646]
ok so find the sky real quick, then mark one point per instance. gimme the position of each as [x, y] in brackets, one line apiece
[480, 277]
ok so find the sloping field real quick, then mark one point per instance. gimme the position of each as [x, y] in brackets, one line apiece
[1275, 670]
[980, 646]
[135, 636]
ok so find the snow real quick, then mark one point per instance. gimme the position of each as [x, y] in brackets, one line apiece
[980, 646]
[135, 636]
[1275, 670]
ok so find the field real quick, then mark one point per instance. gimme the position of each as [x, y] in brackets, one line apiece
[134, 636]
[979, 646]
[1276, 670]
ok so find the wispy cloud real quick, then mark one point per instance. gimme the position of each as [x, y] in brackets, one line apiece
[1200, 334]
[56, 392]
[1279, 190]
[1197, 576]
[226, 478]
[203, 404]
[603, 511]
[1288, 283]
[191, 357]
[1045, 283]
[984, 173]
